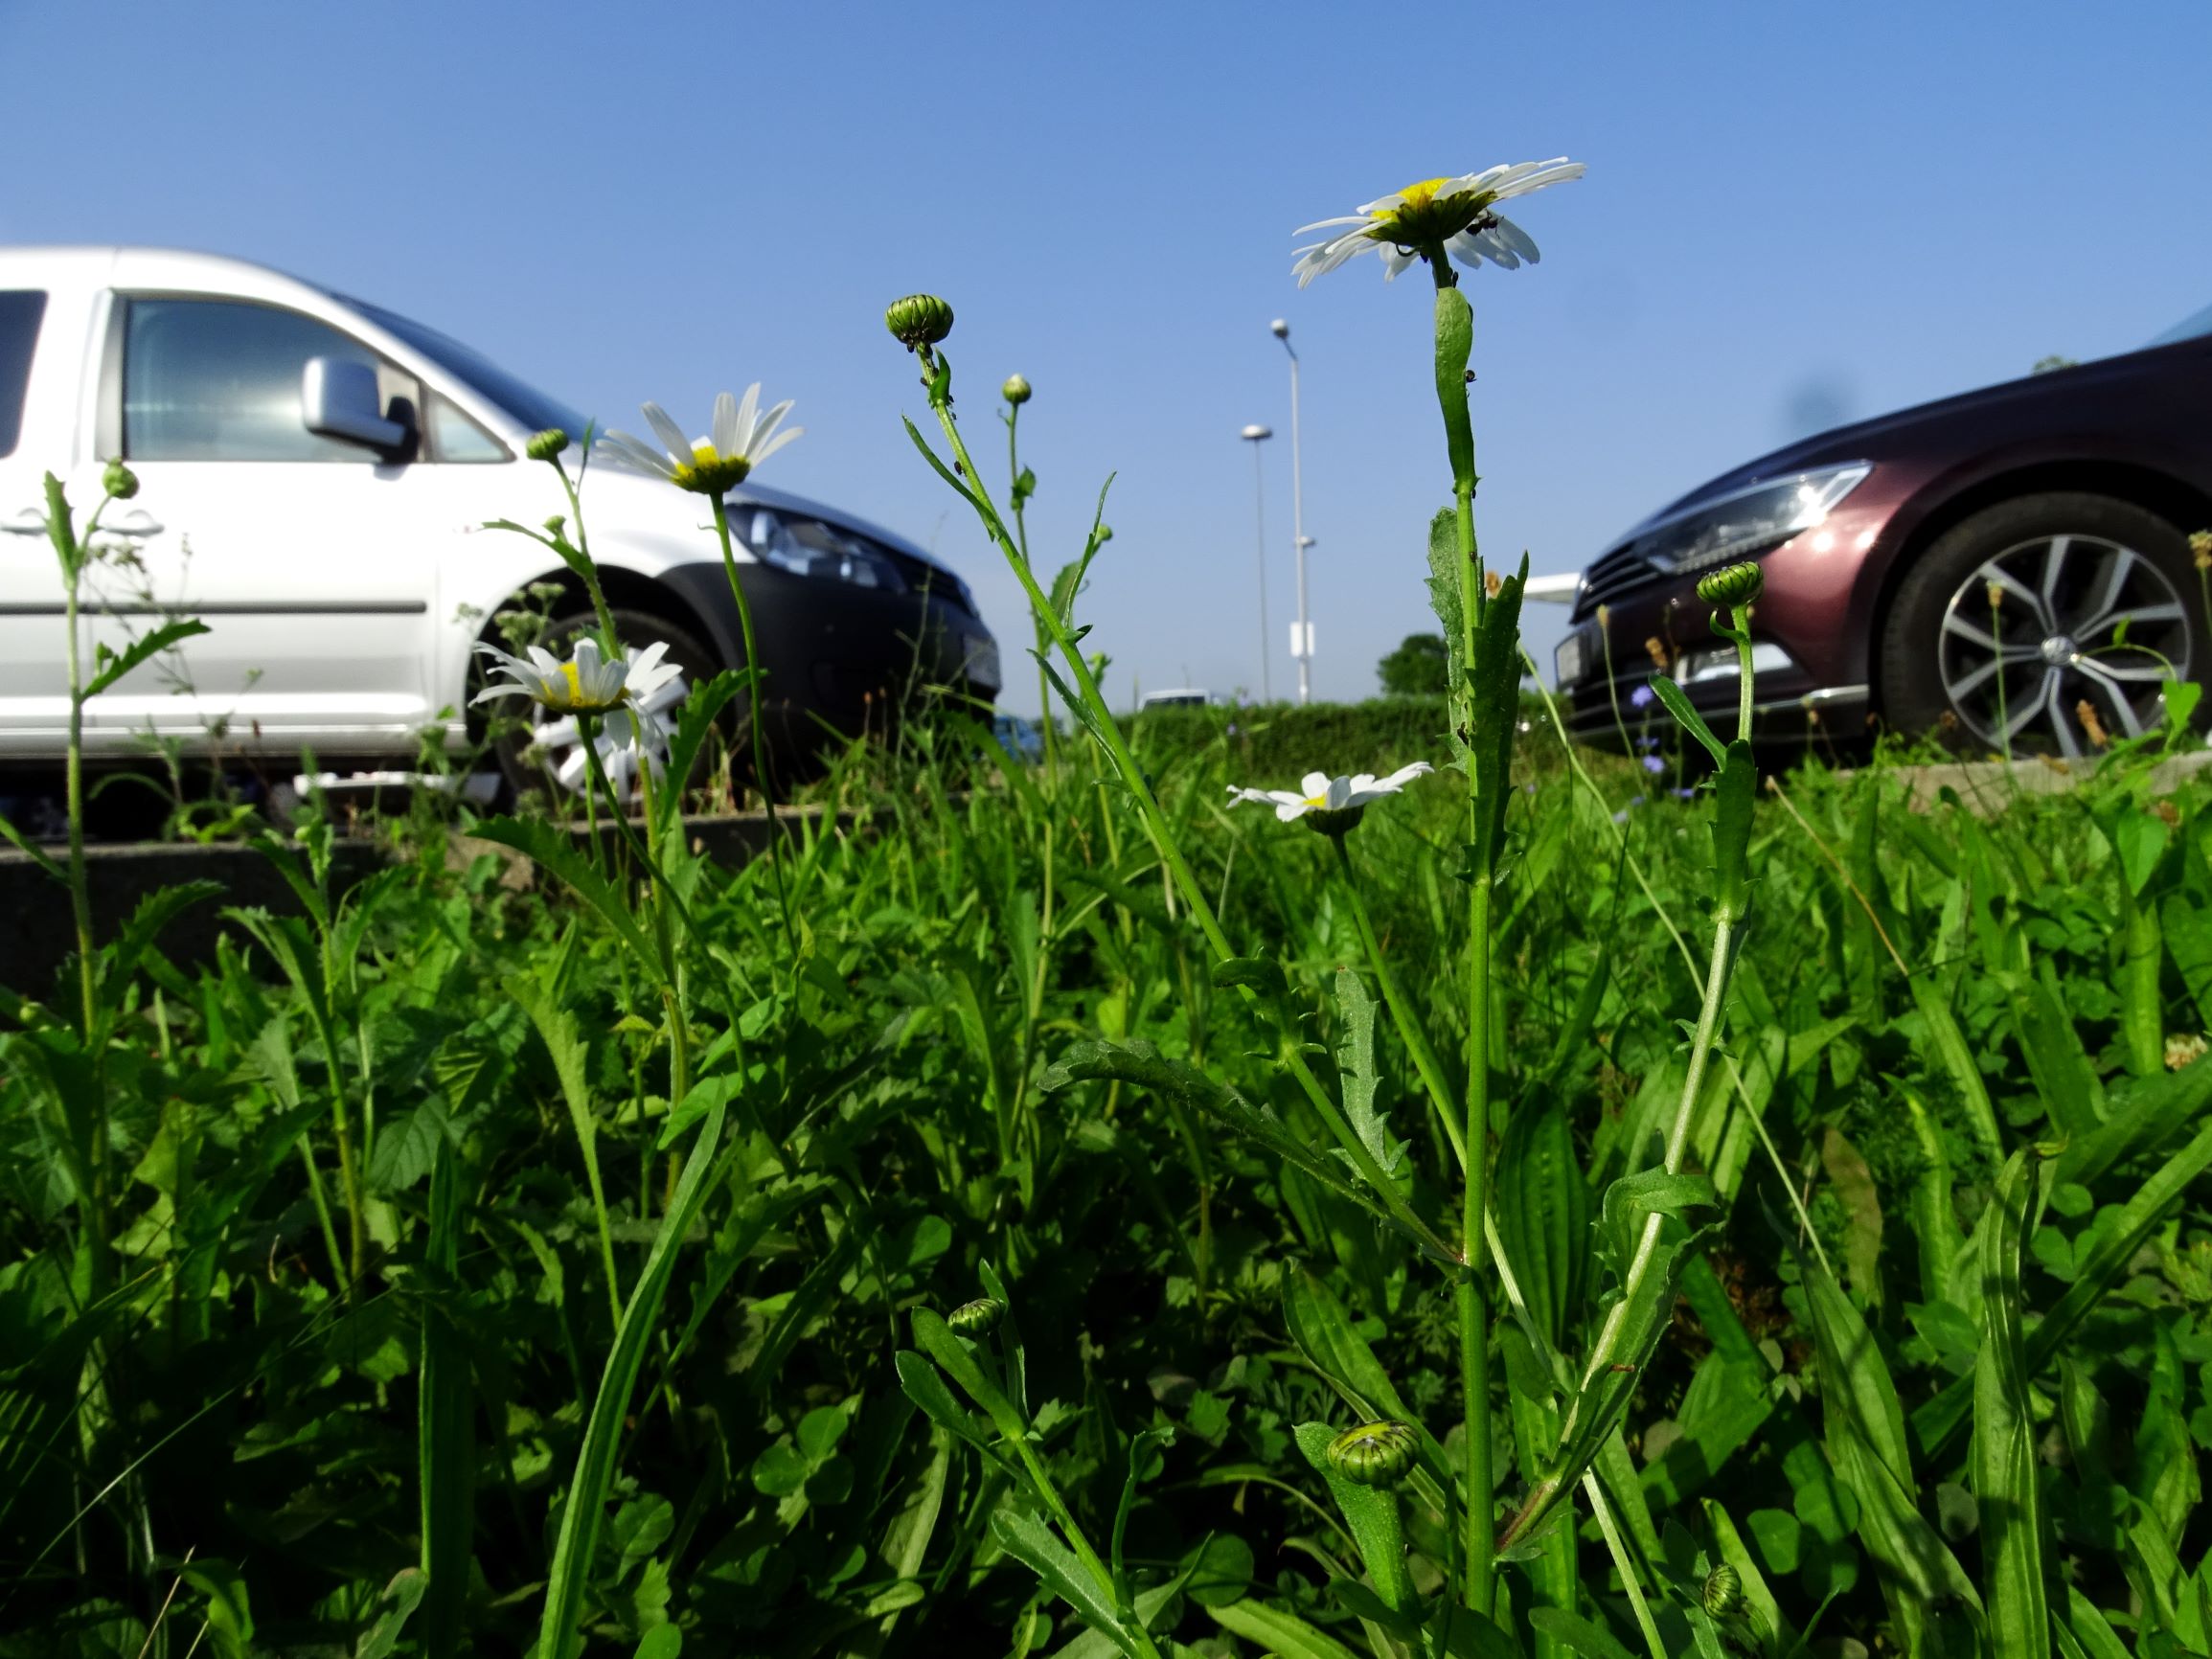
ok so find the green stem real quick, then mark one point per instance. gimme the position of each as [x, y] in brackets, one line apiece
[1021, 537]
[1454, 340]
[753, 720]
[1617, 1546]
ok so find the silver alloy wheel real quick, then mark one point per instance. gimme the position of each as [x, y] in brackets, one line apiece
[556, 745]
[2020, 668]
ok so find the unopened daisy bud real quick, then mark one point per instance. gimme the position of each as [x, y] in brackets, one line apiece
[1604, 617]
[546, 445]
[556, 524]
[1997, 595]
[1374, 1454]
[1724, 1592]
[1732, 586]
[119, 481]
[2201, 549]
[1493, 584]
[917, 320]
[1016, 391]
[977, 1318]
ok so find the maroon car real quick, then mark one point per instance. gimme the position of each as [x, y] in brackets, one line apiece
[2016, 558]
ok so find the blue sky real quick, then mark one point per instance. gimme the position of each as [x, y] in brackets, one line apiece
[1795, 214]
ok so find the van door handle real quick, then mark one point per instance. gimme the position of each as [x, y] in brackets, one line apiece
[28, 521]
[136, 522]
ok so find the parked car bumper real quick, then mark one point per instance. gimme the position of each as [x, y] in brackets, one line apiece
[1809, 671]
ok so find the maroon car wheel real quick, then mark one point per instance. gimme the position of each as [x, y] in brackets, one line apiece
[2047, 624]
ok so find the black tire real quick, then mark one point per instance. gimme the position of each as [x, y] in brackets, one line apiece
[2069, 564]
[519, 762]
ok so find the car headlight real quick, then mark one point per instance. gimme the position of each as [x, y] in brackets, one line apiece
[1749, 522]
[808, 547]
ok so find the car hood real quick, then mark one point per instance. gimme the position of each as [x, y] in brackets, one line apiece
[1885, 434]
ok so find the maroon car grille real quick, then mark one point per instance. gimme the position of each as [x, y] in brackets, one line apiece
[1621, 571]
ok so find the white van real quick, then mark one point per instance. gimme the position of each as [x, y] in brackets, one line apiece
[325, 523]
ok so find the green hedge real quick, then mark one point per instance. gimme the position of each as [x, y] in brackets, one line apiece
[1273, 746]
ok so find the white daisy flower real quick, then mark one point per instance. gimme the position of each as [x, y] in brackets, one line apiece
[1437, 216]
[639, 697]
[744, 436]
[1320, 793]
[588, 683]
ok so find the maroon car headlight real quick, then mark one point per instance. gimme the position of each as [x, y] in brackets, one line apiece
[1746, 522]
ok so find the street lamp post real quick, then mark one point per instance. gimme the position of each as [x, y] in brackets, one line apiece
[1304, 650]
[1256, 435]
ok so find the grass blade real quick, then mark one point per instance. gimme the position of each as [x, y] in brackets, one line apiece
[2014, 1528]
[558, 1636]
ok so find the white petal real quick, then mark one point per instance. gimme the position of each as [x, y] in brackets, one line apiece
[637, 453]
[1324, 224]
[671, 435]
[1314, 783]
[787, 436]
[746, 411]
[725, 432]
[1289, 812]
[1339, 794]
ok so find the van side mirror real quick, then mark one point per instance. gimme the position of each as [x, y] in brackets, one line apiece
[338, 399]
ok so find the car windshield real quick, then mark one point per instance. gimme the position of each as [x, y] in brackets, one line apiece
[533, 408]
[2194, 327]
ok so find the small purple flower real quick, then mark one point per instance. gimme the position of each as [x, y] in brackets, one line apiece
[1683, 794]
[1647, 743]
[1642, 697]
[1232, 728]
[1653, 764]
[1636, 800]
[1620, 817]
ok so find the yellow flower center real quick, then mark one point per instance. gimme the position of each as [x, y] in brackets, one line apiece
[574, 685]
[711, 472]
[1316, 800]
[1424, 218]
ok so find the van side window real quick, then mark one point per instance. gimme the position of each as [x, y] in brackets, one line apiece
[219, 380]
[20, 312]
[454, 437]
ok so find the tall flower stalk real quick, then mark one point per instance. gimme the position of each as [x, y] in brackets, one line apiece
[1443, 223]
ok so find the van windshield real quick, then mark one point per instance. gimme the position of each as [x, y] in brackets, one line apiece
[2190, 328]
[533, 408]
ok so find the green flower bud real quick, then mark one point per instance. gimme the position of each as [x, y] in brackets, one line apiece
[1016, 391]
[546, 445]
[977, 1318]
[556, 524]
[1374, 1454]
[1732, 585]
[917, 320]
[119, 481]
[1723, 1591]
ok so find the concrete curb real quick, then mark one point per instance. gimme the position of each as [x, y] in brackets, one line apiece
[37, 934]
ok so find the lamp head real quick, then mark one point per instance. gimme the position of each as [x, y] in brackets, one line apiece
[1280, 328]
[1257, 432]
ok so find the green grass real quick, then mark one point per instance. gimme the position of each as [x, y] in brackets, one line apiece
[1935, 1381]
